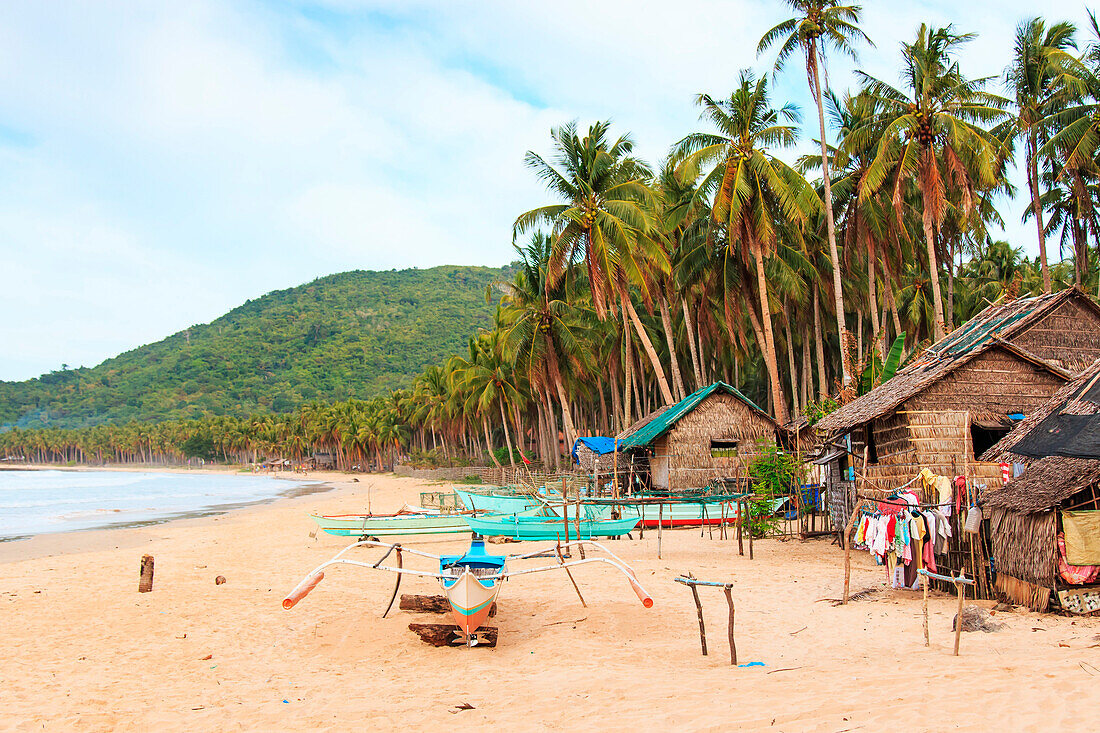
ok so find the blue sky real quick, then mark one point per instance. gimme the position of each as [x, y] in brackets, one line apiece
[162, 162]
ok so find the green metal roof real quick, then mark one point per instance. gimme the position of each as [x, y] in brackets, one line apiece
[663, 421]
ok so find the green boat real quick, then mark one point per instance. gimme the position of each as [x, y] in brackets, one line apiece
[390, 525]
[547, 526]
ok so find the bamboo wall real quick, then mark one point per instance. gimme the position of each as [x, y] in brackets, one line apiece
[720, 416]
[932, 429]
[1069, 336]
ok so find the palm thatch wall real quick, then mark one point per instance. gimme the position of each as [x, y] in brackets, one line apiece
[1067, 336]
[719, 417]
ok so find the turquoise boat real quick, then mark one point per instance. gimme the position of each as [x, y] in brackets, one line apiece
[547, 526]
[390, 525]
[496, 501]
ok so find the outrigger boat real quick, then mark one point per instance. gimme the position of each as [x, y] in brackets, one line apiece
[501, 500]
[546, 525]
[471, 581]
[408, 521]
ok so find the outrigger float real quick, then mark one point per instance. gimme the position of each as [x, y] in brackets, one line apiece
[471, 581]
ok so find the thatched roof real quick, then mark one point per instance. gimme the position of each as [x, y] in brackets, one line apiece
[659, 422]
[1048, 481]
[1045, 483]
[1070, 399]
[992, 328]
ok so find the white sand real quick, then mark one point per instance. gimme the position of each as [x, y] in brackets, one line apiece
[84, 651]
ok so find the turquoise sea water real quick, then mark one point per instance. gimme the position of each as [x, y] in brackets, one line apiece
[39, 502]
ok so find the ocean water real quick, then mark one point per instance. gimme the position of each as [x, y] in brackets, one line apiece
[39, 502]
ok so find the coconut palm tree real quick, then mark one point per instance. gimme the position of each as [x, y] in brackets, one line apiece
[817, 25]
[936, 134]
[605, 210]
[754, 192]
[1040, 60]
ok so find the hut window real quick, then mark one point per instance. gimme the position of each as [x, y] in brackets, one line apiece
[872, 449]
[984, 435]
[723, 448]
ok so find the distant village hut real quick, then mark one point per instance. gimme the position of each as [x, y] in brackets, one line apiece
[962, 395]
[1045, 524]
[595, 454]
[713, 432]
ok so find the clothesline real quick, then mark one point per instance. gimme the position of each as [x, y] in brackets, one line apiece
[901, 504]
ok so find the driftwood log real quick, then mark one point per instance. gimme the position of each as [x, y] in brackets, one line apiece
[145, 581]
[431, 604]
[448, 635]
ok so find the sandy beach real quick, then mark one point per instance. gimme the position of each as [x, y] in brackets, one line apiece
[84, 651]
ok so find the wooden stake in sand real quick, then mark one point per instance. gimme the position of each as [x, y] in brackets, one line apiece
[924, 584]
[570, 574]
[145, 581]
[960, 582]
[848, 536]
[692, 582]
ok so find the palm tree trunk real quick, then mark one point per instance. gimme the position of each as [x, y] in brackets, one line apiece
[666, 322]
[933, 268]
[822, 387]
[807, 380]
[769, 348]
[567, 416]
[690, 333]
[834, 257]
[658, 370]
[1036, 207]
[628, 367]
[950, 315]
[616, 403]
[488, 443]
[872, 294]
[790, 357]
[507, 437]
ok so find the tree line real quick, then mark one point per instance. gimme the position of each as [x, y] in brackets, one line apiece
[734, 258]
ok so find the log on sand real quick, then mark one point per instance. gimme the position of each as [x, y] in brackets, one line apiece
[431, 604]
[449, 635]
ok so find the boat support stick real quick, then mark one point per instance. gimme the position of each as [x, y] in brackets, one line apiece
[561, 560]
[396, 585]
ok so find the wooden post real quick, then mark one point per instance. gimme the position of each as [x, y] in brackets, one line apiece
[641, 524]
[615, 471]
[729, 599]
[961, 590]
[570, 574]
[577, 522]
[145, 580]
[924, 581]
[660, 523]
[565, 510]
[703, 512]
[749, 512]
[740, 526]
[848, 551]
[699, 611]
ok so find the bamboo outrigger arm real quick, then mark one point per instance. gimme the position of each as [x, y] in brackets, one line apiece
[613, 561]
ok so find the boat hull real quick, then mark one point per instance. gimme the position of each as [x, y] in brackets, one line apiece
[390, 525]
[471, 600]
[496, 503]
[547, 528]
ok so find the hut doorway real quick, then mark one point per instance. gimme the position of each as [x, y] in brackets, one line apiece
[658, 467]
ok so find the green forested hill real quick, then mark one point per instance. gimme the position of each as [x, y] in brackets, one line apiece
[356, 334]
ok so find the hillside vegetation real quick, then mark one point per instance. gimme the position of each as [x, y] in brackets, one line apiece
[353, 335]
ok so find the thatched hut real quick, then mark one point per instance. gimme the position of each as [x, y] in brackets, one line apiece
[594, 455]
[1058, 449]
[963, 394]
[712, 432]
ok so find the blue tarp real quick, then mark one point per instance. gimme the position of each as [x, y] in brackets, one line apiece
[598, 445]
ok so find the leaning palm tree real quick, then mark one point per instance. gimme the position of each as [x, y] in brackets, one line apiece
[816, 25]
[604, 211]
[754, 193]
[936, 135]
[1040, 59]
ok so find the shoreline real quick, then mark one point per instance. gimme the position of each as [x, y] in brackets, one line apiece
[118, 535]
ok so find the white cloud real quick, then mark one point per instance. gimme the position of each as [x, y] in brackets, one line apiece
[160, 163]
